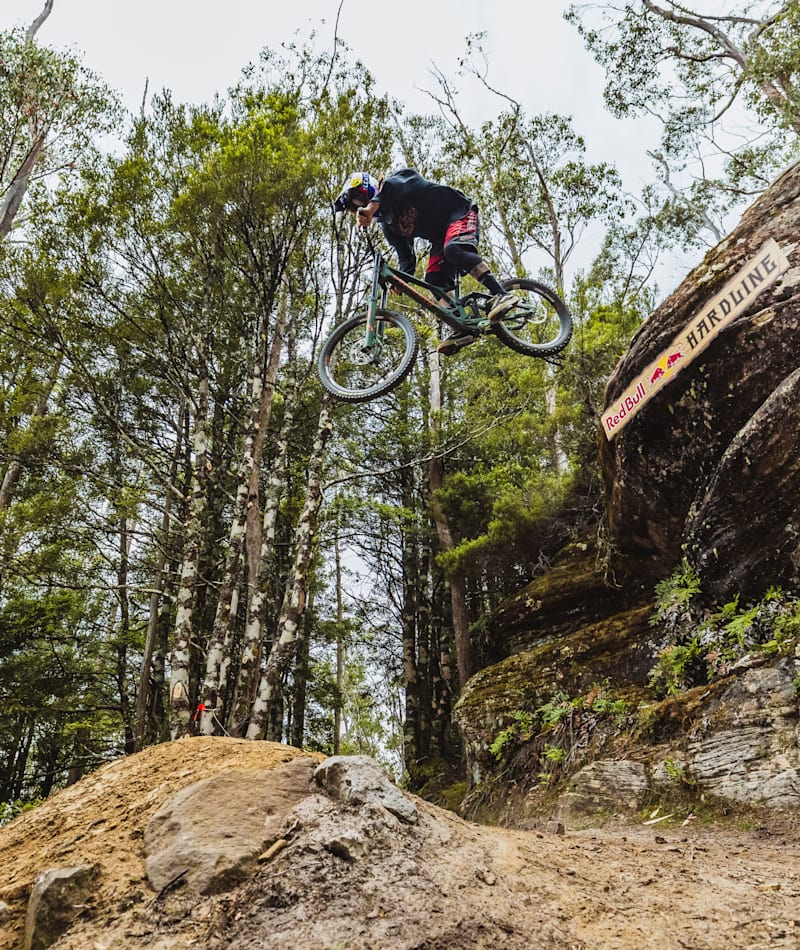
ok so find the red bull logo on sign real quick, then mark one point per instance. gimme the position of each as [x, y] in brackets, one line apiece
[733, 299]
[664, 366]
[624, 408]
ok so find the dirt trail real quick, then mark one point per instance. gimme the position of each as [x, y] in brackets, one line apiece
[442, 884]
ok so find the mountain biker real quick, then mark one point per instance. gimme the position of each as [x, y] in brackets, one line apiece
[408, 206]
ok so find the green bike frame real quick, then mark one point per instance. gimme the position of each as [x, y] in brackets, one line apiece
[463, 314]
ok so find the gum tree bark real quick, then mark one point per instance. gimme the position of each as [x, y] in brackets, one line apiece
[456, 582]
[340, 658]
[252, 649]
[21, 180]
[218, 656]
[180, 659]
[295, 598]
[158, 593]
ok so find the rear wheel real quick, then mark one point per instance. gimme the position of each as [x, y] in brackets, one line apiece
[354, 372]
[539, 325]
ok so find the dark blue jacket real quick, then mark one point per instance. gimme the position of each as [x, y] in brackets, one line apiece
[411, 206]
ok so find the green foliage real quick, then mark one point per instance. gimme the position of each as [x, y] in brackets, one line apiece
[545, 743]
[554, 754]
[679, 667]
[676, 592]
[48, 93]
[676, 772]
[10, 810]
[705, 644]
[556, 709]
[520, 730]
[727, 80]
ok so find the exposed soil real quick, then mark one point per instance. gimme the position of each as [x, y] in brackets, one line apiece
[439, 884]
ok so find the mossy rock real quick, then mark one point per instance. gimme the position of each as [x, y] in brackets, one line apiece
[440, 782]
[617, 650]
[573, 594]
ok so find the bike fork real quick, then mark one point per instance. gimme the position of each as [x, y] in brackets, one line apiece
[374, 329]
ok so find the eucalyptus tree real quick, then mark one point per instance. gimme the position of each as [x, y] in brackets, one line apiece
[722, 83]
[60, 683]
[259, 185]
[52, 109]
[333, 103]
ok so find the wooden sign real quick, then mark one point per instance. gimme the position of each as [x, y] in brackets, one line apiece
[734, 298]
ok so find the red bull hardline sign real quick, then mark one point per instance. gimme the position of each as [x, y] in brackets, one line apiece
[734, 298]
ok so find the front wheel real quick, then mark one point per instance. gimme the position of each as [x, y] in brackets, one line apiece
[355, 371]
[539, 325]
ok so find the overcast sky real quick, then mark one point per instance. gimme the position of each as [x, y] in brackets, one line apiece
[198, 47]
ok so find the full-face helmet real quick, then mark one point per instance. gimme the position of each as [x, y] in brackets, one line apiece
[358, 191]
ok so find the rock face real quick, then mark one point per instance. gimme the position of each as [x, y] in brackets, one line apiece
[745, 747]
[358, 780]
[603, 787]
[744, 532]
[56, 900]
[195, 840]
[572, 594]
[567, 651]
[709, 466]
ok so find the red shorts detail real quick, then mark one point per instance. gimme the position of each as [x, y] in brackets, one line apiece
[435, 263]
[463, 231]
[460, 234]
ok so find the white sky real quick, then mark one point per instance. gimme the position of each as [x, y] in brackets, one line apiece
[198, 47]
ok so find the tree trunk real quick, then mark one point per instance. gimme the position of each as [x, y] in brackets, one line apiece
[19, 185]
[211, 696]
[262, 391]
[297, 726]
[253, 533]
[33, 29]
[123, 634]
[247, 678]
[295, 597]
[412, 730]
[157, 721]
[337, 709]
[157, 593]
[180, 660]
[456, 582]
[21, 761]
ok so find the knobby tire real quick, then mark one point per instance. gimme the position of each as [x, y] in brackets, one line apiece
[541, 334]
[353, 374]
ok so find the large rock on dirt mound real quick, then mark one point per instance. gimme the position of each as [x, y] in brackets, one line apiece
[713, 452]
[199, 839]
[358, 780]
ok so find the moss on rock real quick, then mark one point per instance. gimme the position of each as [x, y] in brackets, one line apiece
[616, 650]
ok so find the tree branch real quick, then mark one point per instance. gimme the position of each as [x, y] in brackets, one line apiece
[698, 23]
[33, 28]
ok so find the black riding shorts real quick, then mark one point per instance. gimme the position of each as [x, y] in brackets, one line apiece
[458, 253]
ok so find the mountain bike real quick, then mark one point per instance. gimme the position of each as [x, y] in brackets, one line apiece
[370, 354]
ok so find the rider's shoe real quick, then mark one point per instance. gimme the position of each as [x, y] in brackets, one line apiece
[455, 342]
[500, 305]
